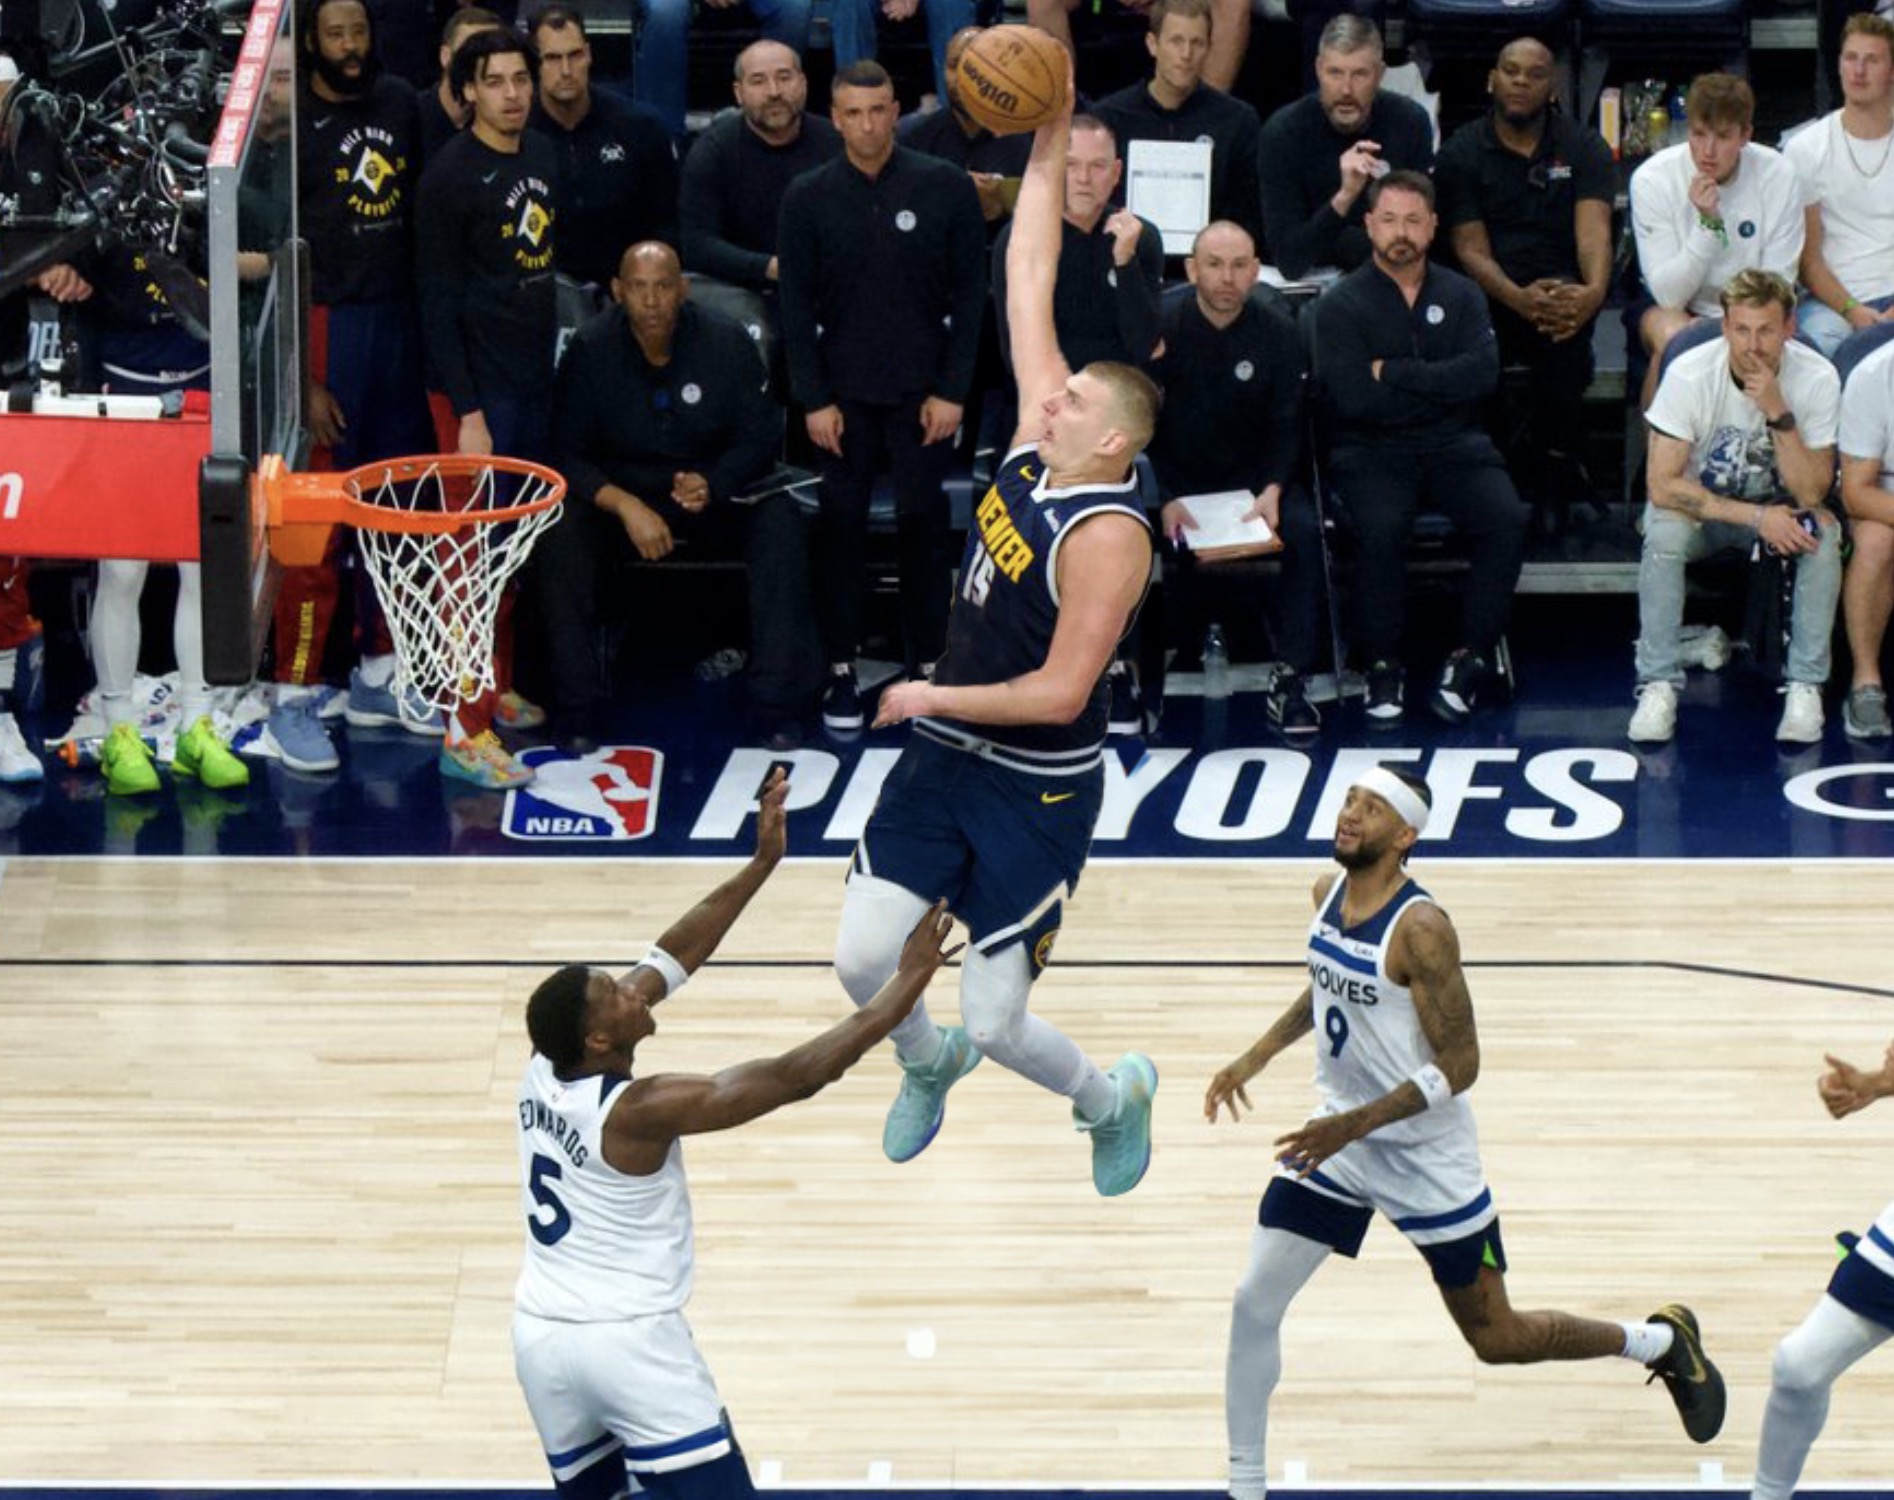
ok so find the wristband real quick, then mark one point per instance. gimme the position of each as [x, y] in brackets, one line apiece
[1433, 1085]
[1850, 305]
[666, 968]
[1715, 226]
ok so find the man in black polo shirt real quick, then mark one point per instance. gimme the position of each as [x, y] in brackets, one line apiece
[1233, 374]
[1526, 197]
[663, 416]
[883, 279]
[489, 309]
[1404, 356]
[1177, 105]
[617, 180]
[1111, 262]
[1320, 153]
[739, 169]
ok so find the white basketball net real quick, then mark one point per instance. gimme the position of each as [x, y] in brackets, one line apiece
[441, 590]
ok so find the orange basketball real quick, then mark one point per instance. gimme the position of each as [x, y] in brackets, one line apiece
[1012, 78]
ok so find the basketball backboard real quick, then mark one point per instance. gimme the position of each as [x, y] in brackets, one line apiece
[259, 312]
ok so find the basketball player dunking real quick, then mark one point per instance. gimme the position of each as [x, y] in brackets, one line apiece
[604, 1355]
[994, 799]
[1396, 1051]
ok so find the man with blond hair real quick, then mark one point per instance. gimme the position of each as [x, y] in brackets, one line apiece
[1846, 163]
[1742, 453]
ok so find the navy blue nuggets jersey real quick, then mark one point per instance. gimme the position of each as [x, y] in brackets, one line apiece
[1008, 601]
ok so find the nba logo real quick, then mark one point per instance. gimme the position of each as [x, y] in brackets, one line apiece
[610, 794]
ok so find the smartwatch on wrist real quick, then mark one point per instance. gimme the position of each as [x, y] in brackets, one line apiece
[1783, 423]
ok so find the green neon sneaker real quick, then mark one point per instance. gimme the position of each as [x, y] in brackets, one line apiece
[1687, 1373]
[202, 754]
[1121, 1142]
[914, 1117]
[126, 761]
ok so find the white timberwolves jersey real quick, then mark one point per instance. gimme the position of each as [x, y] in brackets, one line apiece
[600, 1245]
[1367, 1035]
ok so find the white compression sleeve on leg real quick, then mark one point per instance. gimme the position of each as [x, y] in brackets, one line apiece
[187, 641]
[877, 916]
[1280, 1266]
[994, 990]
[1807, 1364]
[115, 636]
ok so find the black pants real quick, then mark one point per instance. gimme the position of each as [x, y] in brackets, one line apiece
[878, 439]
[1379, 493]
[1293, 607]
[1560, 373]
[785, 663]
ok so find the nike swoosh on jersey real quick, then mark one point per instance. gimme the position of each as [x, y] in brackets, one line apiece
[1051, 797]
[490, 176]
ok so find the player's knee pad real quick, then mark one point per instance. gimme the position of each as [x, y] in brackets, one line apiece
[994, 988]
[877, 916]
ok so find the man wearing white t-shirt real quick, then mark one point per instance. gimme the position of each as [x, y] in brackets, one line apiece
[1846, 162]
[1707, 209]
[1867, 493]
[1742, 452]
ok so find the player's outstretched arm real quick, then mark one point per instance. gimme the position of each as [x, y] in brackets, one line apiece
[693, 937]
[654, 1112]
[1032, 268]
[1226, 1089]
[1846, 1088]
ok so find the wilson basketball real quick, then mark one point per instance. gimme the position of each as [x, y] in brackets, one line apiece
[1012, 78]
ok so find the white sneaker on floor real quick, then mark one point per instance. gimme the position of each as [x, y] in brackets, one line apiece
[1655, 720]
[1801, 714]
[18, 765]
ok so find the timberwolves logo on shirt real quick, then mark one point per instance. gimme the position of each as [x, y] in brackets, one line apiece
[530, 203]
[369, 169]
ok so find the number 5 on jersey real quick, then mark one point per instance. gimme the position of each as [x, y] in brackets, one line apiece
[550, 1231]
[979, 576]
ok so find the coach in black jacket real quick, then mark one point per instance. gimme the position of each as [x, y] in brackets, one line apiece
[662, 418]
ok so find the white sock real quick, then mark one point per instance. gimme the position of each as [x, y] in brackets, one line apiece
[1644, 1342]
[1093, 1094]
[921, 1047]
[378, 671]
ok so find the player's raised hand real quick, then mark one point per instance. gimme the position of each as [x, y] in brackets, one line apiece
[772, 819]
[1845, 1088]
[921, 958]
[1226, 1091]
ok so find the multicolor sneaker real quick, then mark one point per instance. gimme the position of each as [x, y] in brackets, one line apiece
[203, 754]
[1687, 1373]
[914, 1117]
[1121, 1142]
[484, 762]
[125, 759]
[511, 711]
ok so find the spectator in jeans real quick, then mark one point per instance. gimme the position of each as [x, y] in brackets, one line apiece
[1742, 453]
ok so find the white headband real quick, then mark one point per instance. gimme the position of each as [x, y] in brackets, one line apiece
[1398, 795]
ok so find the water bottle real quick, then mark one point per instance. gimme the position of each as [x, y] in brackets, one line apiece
[1216, 663]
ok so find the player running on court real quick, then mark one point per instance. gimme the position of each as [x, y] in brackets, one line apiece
[994, 799]
[1855, 1317]
[602, 1350]
[1396, 1051]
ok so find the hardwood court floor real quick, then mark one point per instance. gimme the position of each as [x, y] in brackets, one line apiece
[262, 1221]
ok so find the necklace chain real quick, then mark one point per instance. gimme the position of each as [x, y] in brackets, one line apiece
[1847, 144]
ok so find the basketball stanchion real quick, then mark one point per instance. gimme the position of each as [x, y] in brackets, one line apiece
[440, 536]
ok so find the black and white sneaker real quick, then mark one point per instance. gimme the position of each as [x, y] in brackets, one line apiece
[1289, 709]
[842, 701]
[1459, 687]
[1384, 692]
[1126, 714]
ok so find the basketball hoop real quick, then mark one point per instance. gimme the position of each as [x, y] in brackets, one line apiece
[441, 535]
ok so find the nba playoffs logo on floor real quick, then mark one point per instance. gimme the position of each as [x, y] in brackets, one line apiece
[609, 794]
